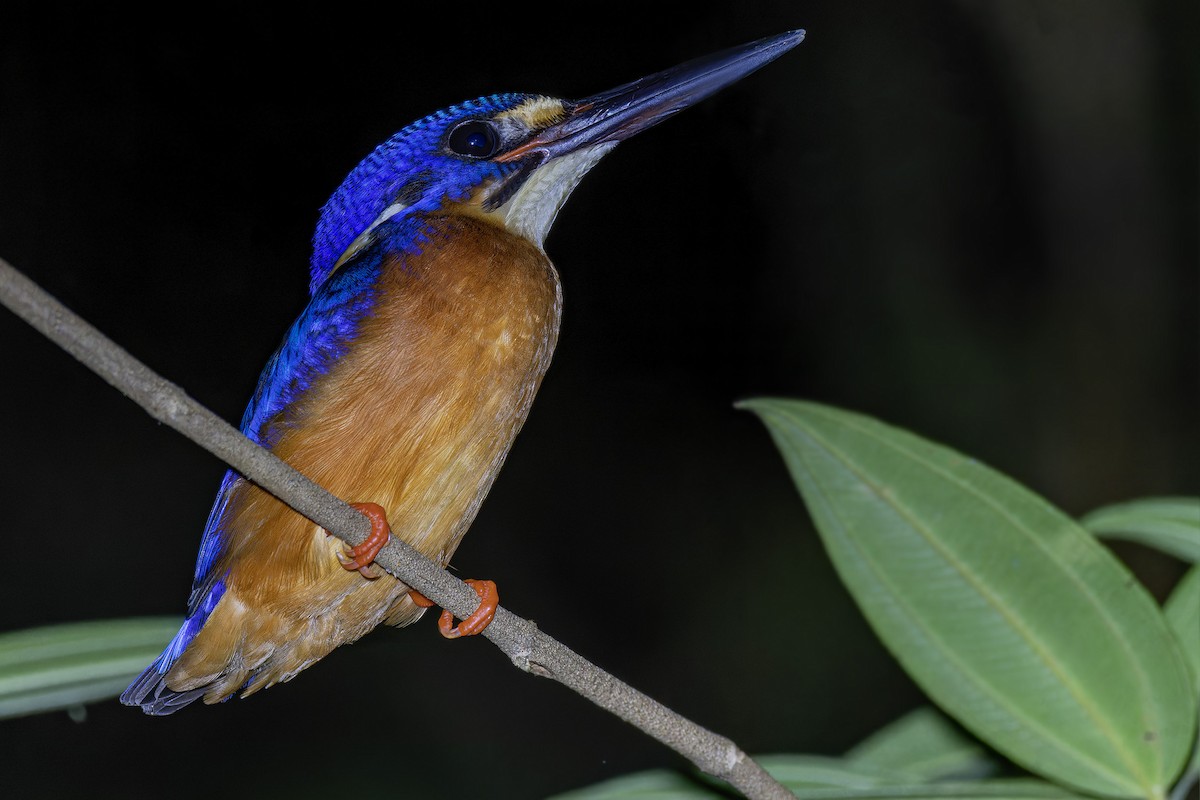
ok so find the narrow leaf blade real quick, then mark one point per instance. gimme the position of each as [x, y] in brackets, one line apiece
[1170, 524]
[806, 772]
[1006, 612]
[923, 744]
[1011, 789]
[62, 666]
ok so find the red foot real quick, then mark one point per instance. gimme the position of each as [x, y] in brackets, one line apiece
[360, 556]
[489, 598]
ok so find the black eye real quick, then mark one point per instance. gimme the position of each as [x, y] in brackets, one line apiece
[475, 138]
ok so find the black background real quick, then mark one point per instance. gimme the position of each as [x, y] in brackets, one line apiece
[976, 221]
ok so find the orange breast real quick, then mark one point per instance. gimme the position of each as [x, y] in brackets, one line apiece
[418, 417]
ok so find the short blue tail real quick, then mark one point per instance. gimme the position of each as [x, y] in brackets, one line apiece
[149, 690]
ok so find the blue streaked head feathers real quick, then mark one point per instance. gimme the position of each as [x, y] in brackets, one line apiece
[416, 171]
[529, 154]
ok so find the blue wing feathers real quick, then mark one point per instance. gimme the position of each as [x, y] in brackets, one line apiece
[321, 335]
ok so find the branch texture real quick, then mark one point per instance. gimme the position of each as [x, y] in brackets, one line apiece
[526, 646]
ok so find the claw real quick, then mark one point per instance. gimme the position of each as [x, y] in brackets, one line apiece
[489, 599]
[361, 556]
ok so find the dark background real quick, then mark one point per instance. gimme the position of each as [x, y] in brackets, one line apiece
[973, 220]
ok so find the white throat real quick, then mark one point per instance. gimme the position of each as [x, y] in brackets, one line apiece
[531, 211]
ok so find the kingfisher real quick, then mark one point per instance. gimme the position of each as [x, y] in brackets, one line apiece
[433, 315]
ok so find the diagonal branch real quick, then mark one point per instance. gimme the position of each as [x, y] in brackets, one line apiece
[528, 648]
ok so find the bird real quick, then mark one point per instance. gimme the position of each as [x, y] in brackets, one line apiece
[433, 315]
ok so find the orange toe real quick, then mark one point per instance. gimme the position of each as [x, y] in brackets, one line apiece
[420, 600]
[360, 556]
[489, 599]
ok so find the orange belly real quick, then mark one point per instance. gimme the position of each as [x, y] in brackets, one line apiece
[418, 417]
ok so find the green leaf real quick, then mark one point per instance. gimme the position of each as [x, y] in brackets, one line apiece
[1170, 524]
[64, 666]
[823, 778]
[819, 778]
[798, 772]
[1015, 620]
[1011, 789]
[656, 784]
[924, 745]
[1183, 615]
[793, 771]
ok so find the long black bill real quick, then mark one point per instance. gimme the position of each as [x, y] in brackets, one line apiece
[615, 115]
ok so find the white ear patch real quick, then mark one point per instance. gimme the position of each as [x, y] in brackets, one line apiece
[531, 211]
[361, 240]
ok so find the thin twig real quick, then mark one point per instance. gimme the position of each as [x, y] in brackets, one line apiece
[529, 648]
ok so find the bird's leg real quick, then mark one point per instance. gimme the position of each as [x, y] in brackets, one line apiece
[360, 556]
[489, 599]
